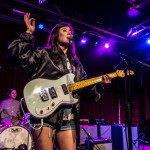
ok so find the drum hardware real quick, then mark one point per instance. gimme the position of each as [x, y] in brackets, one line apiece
[22, 147]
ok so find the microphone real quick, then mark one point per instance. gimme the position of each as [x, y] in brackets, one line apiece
[75, 36]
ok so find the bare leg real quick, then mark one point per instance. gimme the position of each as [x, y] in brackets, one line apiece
[66, 139]
[43, 138]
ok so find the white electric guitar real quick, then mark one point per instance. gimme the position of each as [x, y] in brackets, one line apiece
[43, 96]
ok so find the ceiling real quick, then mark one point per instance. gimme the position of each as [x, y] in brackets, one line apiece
[110, 15]
[108, 19]
[105, 15]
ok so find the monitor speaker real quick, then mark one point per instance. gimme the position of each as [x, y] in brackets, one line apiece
[104, 131]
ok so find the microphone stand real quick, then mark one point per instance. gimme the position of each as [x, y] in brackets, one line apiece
[128, 99]
[134, 60]
[120, 63]
[129, 106]
[127, 88]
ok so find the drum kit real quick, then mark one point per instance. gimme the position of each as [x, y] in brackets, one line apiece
[16, 137]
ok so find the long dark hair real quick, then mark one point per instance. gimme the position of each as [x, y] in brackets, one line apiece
[55, 50]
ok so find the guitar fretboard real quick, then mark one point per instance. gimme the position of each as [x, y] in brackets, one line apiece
[88, 82]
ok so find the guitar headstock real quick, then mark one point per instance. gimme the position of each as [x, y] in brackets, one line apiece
[121, 73]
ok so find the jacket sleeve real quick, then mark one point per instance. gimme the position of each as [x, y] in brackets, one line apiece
[20, 53]
[90, 93]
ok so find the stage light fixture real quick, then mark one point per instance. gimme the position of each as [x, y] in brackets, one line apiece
[140, 30]
[134, 9]
[132, 12]
[107, 45]
[41, 1]
[96, 43]
[148, 41]
[83, 40]
[135, 3]
[41, 26]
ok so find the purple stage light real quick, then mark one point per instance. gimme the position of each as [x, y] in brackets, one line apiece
[106, 45]
[41, 1]
[148, 41]
[83, 40]
[133, 12]
[96, 43]
[134, 33]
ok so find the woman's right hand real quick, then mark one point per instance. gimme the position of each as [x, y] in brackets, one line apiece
[30, 23]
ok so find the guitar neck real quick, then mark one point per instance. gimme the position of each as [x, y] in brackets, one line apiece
[88, 82]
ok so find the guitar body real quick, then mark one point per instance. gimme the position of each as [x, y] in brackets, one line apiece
[43, 96]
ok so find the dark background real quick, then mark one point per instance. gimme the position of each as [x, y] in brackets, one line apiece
[109, 16]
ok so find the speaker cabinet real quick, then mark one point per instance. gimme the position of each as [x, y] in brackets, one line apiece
[104, 131]
[102, 144]
[120, 137]
[90, 129]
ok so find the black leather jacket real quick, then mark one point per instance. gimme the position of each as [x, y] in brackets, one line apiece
[38, 64]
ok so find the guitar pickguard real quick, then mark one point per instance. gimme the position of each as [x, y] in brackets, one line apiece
[56, 102]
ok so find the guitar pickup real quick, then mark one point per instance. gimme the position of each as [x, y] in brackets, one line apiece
[52, 92]
[44, 95]
[65, 89]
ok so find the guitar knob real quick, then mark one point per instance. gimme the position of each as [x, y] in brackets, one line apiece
[41, 111]
[53, 104]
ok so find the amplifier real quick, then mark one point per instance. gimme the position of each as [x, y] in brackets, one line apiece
[84, 121]
[102, 144]
[104, 131]
[90, 129]
[120, 137]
